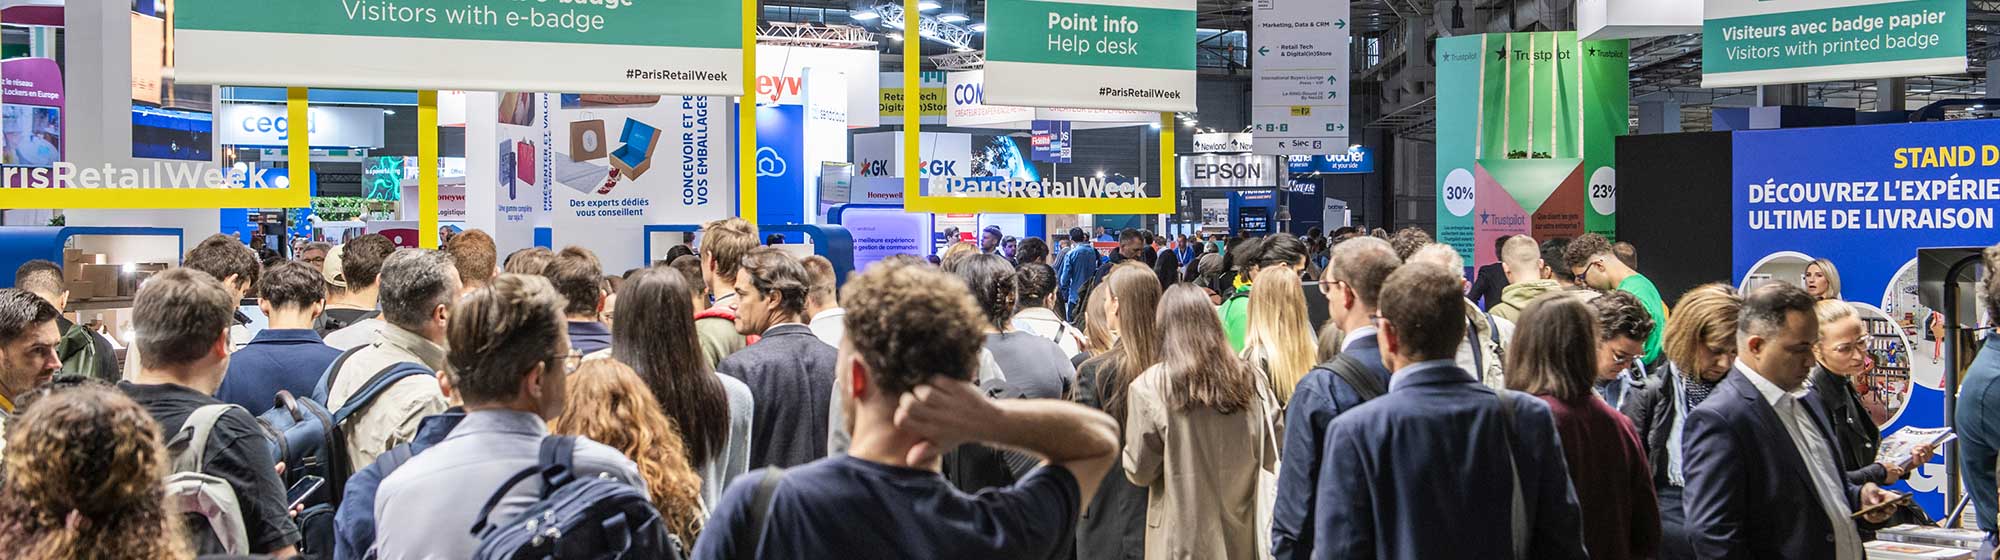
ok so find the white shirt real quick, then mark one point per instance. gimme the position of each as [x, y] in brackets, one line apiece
[1044, 323]
[830, 326]
[1818, 457]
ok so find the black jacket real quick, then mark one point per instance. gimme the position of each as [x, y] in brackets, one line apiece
[1487, 287]
[1114, 527]
[1856, 432]
[1749, 492]
[1651, 409]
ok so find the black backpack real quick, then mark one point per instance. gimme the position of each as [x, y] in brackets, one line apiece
[577, 517]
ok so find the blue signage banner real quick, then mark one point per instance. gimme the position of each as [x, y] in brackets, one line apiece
[1866, 198]
[781, 173]
[1357, 159]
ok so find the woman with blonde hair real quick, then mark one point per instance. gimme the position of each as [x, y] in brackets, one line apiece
[1114, 524]
[1278, 338]
[85, 479]
[1201, 436]
[1700, 344]
[1096, 326]
[1821, 280]
[609, 404]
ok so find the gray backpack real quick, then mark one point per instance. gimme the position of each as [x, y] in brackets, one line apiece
[210, 515]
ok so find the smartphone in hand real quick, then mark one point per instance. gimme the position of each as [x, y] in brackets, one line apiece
[303, 489]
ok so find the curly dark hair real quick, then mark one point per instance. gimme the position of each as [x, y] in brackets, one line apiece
[1621, 314]
[85, 474]
[1036, 281]
[1408, 240]
[1585, 247]
[993, 283]
[223, 256]
[910, 322]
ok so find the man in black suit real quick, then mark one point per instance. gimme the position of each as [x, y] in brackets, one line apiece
[789, 371]
[1491, 280]
[1762, 478]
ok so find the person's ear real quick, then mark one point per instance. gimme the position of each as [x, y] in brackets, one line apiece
[264, 305]
[601, 297]
[445, 387]
[1753, 346]
[531, 384]
[318, 308]
[62, 301]
[441, 314]
[1386, 335]
[220, 350]
[858, 378]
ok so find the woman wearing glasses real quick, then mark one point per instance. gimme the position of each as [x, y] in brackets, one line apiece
[1843, 356]
[1700, 345]
[1622, 328]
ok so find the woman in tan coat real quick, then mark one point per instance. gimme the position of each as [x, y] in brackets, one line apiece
[1201, 436]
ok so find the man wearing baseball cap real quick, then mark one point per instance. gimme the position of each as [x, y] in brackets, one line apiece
[351, 288]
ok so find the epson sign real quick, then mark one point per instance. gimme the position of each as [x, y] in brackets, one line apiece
[1244, 171]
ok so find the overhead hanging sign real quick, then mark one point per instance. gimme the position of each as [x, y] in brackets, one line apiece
[1758, 42]
[966, 106]
[1232, 171]
[929, 99]
[1633, 19]
[1298, 76]
[599, 46]
[259, 124]
[1357, 159]
[1093, 54]
[1223, 142]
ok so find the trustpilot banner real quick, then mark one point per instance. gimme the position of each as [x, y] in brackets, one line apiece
[691, 47]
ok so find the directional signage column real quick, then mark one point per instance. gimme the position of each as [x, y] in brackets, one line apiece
[1299, 71]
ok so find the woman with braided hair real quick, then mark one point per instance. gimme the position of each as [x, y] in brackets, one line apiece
[84, 479]
[1030, 366]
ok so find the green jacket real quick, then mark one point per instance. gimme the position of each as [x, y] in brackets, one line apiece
[81, 356]
[1516, 297]
[1236, 317]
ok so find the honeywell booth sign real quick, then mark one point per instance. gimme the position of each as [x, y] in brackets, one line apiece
[688, 47]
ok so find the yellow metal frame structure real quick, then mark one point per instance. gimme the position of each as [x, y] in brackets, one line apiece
[746, 130]
[296, 195]
[913, 188]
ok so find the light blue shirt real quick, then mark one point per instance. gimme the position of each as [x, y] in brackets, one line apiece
[426, 509]
[1397, 379]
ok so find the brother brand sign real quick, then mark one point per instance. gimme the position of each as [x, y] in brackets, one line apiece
[1234, 171]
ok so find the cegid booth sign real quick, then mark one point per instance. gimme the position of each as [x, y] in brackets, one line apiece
[1236, 171]
[250, 124]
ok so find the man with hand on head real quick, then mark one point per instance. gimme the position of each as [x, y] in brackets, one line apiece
[913, 340]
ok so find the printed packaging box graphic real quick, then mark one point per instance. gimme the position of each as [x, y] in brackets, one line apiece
[635, 157]
[586, 140]
[1526, 123]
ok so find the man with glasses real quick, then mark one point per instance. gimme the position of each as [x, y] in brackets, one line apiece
[1352, 283]
[1622, 328]
[1591, 259]
[509, 362]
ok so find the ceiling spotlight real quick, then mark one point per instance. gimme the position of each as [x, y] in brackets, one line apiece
[388, 111]
[953, 18]
[1155, 126]
[927, 5]
[864, 16]
[897, 37]
[978, 28]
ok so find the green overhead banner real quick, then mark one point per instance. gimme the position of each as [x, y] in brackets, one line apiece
[691, 47]
[1091, 54]
[1525, 129]
[1758, 42]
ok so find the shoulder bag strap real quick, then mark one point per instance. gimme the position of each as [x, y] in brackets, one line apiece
[1519, 506]
[1478, 351]
[375, 386]
[1357, 376]
[193, 436]
[760, 512]
[557, 462]
[324, 391]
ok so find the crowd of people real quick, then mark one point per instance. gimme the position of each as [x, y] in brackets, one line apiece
[1172, 399]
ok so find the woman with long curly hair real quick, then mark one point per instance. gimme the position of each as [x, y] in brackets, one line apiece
[609, 404]
[85, 478]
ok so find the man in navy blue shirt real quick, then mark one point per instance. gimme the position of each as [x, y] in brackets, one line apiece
[1352, 283]
[288, 355]
[906, 365]
[577, 275]
[1075, 271]
[1439, 466]
[1979, 416]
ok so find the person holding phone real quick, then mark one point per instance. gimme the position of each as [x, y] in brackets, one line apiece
[1843, 357]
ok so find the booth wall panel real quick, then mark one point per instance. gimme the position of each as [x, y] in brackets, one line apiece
[1673, 202]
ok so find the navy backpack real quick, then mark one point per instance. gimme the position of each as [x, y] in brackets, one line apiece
[577, 517]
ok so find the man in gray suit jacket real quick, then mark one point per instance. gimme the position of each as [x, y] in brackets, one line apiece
[790, 372]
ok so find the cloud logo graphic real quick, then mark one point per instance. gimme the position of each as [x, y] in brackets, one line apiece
[769, 164]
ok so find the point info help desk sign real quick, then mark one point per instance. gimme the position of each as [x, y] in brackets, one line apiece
[1866, 198]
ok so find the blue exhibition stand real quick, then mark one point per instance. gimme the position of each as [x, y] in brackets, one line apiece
[830, 241]
[20, 244]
